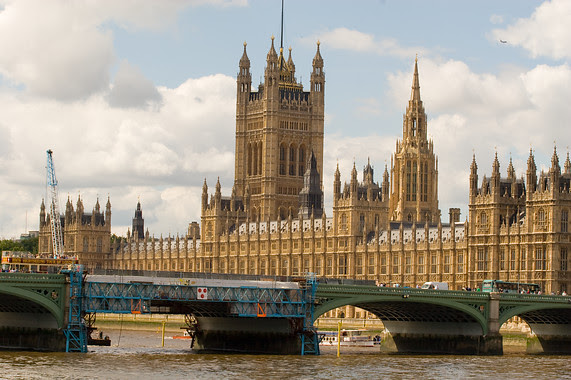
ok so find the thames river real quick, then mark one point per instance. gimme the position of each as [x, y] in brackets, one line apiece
[138, 355]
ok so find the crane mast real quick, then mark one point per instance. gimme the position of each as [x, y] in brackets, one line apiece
[57, 237]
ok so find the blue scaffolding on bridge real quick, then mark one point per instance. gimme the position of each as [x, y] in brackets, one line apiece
[75, 331]
[143, 297]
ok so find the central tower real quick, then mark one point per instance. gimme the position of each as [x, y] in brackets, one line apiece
[277, 128]
[414, 167]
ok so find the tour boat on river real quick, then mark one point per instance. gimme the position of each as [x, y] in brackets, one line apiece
[350, 338]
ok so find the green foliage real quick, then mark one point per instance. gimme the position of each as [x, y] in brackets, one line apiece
[27, 245]
[30, 244]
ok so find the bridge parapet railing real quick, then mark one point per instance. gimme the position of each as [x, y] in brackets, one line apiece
[32, 277]
[534, 297]
[358, 289]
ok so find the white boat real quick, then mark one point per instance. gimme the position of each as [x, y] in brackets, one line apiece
[349, 338]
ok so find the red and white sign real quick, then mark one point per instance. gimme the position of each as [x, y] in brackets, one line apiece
[202, 293]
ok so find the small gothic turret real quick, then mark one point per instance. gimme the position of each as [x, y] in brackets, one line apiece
[138, 223]
[204, 195]
[311, 195]
[386, 184]
[354, 183]
[567, 166]
[244, 79]
[108, 212]
[531, 174]
[555, 168]
[42, 213]
[317, 78]
[218, 193]
[368, 173]
[511, 171]
[337, 183]
[272, 69]
[496, 175]
[473, 179]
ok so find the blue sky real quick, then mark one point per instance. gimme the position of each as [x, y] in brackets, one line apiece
[137, 98]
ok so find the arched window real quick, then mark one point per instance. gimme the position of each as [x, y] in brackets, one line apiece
[564, 221]
[483, 219]
[249, 159]
[282, 160]
[259, 168]
[343, 222]
[301, 160]
[292, 160]
[541, 217]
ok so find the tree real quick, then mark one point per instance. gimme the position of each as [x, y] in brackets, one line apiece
[27, 245]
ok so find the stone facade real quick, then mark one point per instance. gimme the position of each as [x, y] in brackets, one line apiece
[86, 236]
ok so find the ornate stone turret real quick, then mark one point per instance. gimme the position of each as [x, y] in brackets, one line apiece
[495, 178]
[244, 78]
[204, 195]
[473, 179]
[337, 183]
[385, 185]
[218, 194]
[311, 196]
[317, 79]
[531, 175]
[42, 213]
[108, 211]
[138, 223]
[354, 183]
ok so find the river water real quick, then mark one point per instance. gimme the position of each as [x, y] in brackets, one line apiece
[138, 355]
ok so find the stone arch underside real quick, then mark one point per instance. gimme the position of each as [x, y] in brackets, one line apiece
[26, 308]
[418, 317]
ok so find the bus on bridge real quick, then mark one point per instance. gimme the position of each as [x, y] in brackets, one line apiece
[498, 286]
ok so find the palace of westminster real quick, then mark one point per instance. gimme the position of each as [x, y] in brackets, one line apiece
[274, 224]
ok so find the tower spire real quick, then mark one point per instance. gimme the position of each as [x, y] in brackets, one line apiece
[415, 93]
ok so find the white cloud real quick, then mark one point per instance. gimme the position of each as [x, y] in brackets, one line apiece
[544, 33]
[496, 19]
[354, 40]
[118, 152]
[132, 89]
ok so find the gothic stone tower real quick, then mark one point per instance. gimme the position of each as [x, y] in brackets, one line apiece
[414, 168]
[138, 223]
[277, 128]
[86, 236]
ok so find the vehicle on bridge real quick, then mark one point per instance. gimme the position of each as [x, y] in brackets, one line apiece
[15, 261]
[435, 285]
[498, 286]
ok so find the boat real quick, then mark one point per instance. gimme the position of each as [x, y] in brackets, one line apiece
[349, 338]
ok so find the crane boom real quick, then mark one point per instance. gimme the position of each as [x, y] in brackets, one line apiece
[57, 237]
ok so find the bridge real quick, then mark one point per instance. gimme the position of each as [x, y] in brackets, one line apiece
[43, 311]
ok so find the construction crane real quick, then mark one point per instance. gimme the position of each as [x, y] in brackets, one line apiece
[57, 237]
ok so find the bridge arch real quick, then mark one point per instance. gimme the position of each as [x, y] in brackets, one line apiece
[36, 298]
[398, 306]
[532, 309]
